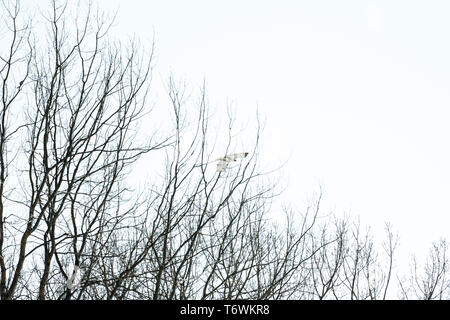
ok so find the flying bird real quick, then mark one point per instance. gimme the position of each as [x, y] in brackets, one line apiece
[222, 163]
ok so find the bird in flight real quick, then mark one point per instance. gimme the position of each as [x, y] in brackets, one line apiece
[222, 163]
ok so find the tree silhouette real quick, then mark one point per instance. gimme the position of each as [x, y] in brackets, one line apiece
[71, 227]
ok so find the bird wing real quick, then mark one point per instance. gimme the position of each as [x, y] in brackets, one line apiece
[233, 157]
[222, 163]
[239, 155]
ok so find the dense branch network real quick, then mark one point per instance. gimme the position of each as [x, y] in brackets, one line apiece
[71, 227]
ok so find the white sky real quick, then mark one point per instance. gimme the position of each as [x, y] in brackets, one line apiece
[356, 94]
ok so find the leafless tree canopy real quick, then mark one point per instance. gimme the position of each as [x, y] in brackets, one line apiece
[72, 228]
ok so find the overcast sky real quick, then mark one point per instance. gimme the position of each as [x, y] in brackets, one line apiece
[356, 94]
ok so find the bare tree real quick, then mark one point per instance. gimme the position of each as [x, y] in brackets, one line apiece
[73, 227]
[327, 263]
[433, 282]
[389, 247]
[14, 70]
[84, 98]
